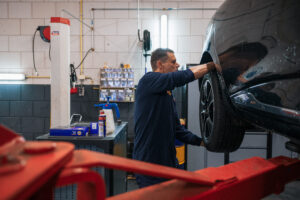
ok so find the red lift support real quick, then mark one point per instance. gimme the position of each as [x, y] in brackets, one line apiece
[33, 169]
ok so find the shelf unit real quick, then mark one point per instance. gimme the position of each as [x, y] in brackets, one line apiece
[118, 83]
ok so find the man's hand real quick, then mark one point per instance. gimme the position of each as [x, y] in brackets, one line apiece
[202, 143]
[211, 66]
[201, 70]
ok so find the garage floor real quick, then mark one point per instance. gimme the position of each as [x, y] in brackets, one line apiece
[291, 192]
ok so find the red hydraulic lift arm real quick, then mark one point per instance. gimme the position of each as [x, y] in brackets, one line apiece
[237, 180]
[252, 178]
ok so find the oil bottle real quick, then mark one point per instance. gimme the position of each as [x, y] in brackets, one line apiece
[102, 124]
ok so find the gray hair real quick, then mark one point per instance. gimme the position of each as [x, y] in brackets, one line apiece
[159, 54]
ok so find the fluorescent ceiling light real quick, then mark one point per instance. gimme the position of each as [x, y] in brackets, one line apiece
[12, 77]
[163, 31]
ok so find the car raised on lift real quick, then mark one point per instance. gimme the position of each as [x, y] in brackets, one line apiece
[256, 46]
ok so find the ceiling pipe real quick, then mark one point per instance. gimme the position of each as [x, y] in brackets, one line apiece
[160, 9]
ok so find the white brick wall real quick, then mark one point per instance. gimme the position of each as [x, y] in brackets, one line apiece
[135, 46]
[4, 43]
[114, 14]
[19, 10]
[9, 27]
[74, 43]
[75, 27]
[99, 43]
[179, 27]
[135, 59]
[195, 58]
[75, 58]
[146, 14]
[198, 26]
[191, 14]
[105, 27]
[115, 34]
[87, 10]
[127, 27]
[171, 14]
[116, 43]
[20, 43]
[3, 10]
[172, 43]
[43, 10]
[191, 44]
[109, 59]
[210, 4]
[72, 8]
[27, 60]
[10, 60]
[28, 26]
[151, 25]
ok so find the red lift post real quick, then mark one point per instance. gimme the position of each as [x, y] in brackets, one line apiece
[44, 165]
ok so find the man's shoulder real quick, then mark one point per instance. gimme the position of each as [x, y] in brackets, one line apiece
[149, 76]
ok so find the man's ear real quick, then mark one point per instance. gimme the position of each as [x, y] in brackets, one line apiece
[159, 65]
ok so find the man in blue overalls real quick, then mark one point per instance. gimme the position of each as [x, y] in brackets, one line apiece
[156, 119]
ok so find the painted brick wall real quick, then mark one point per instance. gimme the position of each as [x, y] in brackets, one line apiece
[115, 33]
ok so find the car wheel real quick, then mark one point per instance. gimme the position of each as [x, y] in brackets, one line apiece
[219, 130]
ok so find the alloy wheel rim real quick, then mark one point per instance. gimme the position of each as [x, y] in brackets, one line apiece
[206, 108]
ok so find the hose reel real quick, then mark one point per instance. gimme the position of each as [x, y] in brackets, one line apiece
[146, 45]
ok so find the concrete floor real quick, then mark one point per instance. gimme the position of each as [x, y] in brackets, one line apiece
[291, 192]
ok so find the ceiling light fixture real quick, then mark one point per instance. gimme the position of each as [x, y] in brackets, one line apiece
[12, 77]
[164, 31]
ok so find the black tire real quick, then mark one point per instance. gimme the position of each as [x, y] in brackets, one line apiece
[219, 130]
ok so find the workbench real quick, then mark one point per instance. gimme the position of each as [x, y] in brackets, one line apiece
[113, 144]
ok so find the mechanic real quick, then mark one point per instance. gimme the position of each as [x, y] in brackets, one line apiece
[156, 120]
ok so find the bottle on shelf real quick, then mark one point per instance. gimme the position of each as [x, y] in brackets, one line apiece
[102, 124]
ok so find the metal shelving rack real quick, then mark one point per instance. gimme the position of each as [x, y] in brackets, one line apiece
[118, 83]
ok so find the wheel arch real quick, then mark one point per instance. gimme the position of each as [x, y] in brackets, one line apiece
[208, 57]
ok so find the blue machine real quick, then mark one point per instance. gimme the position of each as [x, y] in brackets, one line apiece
[108, 105]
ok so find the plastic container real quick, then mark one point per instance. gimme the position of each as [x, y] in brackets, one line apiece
[103, 82]
[121, 95]
[110, 122]
[103, 95]
[180, 153]
[102, 124]
[94, 130]
[113, 95]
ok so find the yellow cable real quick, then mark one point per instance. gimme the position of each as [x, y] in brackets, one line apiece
[81, 68]
[37, 76]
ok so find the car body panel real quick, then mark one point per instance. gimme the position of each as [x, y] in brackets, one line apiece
[257, 46]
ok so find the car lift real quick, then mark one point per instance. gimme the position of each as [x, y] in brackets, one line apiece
[31, 169]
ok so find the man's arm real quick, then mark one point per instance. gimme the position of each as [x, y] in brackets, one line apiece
[201, 70]
[185, 135]
[156, 82]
